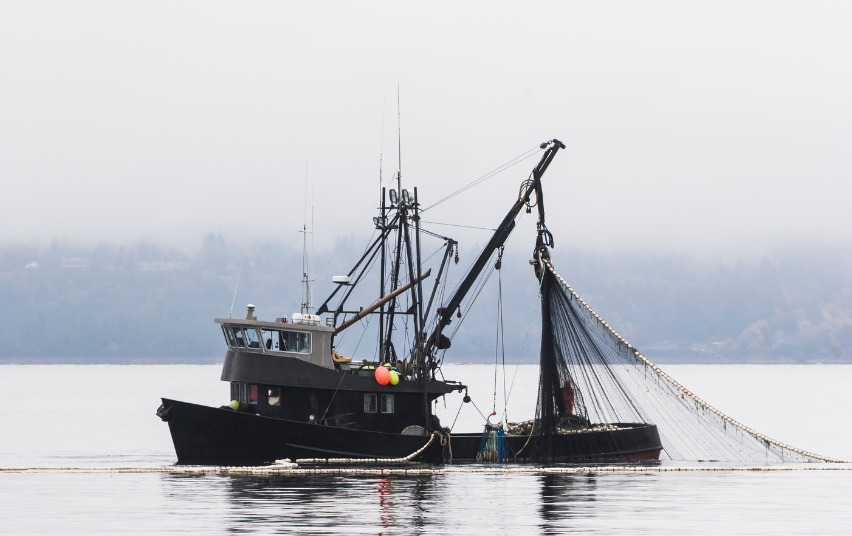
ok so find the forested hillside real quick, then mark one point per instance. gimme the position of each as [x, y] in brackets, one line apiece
[146, 303]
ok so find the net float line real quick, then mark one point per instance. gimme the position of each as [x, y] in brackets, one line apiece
[293, 470]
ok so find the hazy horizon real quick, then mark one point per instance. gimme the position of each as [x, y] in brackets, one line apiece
[701, 198]
[688, 126]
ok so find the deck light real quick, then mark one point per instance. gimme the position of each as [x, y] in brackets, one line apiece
[405, 196]
[393, 197]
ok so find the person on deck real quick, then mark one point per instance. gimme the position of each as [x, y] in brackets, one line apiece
[568, 397]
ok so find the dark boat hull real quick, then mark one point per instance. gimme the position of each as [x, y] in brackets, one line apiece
[211, 436]
[204, 435]
[632, 442]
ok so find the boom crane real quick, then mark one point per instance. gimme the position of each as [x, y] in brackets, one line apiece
[497, 240]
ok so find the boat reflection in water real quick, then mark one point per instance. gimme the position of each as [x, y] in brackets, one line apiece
[454, 503]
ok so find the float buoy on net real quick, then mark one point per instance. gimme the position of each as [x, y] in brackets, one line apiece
[382, 375]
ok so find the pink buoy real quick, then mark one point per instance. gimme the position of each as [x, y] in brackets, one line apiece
[382, 375]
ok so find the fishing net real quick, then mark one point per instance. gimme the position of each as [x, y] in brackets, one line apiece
[592, 377]
[492, 446]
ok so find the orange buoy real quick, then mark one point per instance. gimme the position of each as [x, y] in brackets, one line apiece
[382, 375]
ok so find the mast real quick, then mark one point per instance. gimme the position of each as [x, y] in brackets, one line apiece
[422, 321]
[386, 357]
[398, 210]
[386, 347]
[382, 221]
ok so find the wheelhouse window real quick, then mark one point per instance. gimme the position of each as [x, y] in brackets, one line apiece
[229, 336]
[387, 403]
[238, 336]
[270, 339]
[295, 341]
[286, 341]
[274, 396]
[252, 341]
[252, 394]
[240, 392]
[369, 403]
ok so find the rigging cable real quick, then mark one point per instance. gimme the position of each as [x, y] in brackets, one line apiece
[366, 326]
[457, 416]
[345, 240]
[457, 225]
[502, 335]
[236, 287]
[523, 347]
[517, 160]
[497, 341]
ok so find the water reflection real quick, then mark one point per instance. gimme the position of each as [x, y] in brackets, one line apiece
[495, 504]
[425, 504]
[562, 498]
[316, 504]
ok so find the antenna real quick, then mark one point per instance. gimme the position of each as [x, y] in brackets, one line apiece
[311, 266]
[231, 312]
[306, 290]
[306, 280]
[382, 143]
[399, 142]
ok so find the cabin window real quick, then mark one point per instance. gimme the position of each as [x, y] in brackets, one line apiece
[274, 396]
[252, 394]
[239, 392]
[252, 341]
[369, 403]
[238, 336]
[286, 341]
[298, 342]
[270, 339]
[229, 337]
[387, 403]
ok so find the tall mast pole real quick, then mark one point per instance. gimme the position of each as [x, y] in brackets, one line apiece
[400, 211]
[398, 145]
[416, 218]
[383, 223]
[415, 298]
[394, 284]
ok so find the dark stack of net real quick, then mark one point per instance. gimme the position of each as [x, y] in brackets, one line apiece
[592, 378]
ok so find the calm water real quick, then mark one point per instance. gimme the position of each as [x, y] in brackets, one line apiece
[104, 416]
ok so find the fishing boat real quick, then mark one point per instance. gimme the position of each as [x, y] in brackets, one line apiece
[294, 396]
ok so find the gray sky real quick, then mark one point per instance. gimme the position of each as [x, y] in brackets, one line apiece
[688, 125]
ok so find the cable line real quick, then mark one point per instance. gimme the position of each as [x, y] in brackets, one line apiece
[457, 225]
[517, 160]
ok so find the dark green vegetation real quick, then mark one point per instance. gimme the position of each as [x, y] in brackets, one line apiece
[792, 305]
